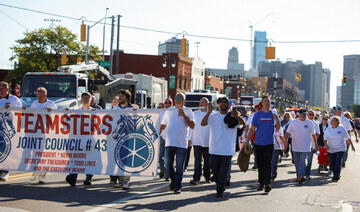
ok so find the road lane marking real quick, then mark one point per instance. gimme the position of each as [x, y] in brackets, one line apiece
[116, 202]
[346, 207]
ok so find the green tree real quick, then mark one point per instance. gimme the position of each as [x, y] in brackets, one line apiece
[40, 51]
[356, 110]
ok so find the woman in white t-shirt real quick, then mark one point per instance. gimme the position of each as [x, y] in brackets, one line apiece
[334, 140]
[279, 147]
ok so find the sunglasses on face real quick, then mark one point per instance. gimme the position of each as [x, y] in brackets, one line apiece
[325, 119]
[302, 114]
[337, 109]
[310, 114]
[168, 103]
[179, 98]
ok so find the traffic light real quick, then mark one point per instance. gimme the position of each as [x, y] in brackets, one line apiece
[83, 33]
[63, 59]
[183, 47]
[344, 80]
[269, 53]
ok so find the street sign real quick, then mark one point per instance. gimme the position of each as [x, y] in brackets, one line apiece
[297, 77]
[208, 87]
[104, 63]
[17, 90]
[172, 82]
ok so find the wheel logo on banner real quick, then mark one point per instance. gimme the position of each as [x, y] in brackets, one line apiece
[7, 131]
[135, 135]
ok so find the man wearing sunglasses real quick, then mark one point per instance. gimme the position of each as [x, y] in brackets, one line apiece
[302, 132]
[310, 116]
[177, 122]
[344, 122]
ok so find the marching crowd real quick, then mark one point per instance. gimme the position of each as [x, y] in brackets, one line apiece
[216, 133]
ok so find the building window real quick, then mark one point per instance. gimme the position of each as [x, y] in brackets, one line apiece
[180, 81]
[184, 83]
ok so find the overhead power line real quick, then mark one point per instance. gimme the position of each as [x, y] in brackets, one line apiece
[177, 33]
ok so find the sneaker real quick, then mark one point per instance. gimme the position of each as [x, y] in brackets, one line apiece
[167, 179]
[308, 178]
[70, 180]
[343, 164]
[112, 182]
[41, 180]
[172, 185]
[335, 178]
[207, 180]
[219, 195]
[126, 185]
[5, 177]
[227, 183]
[177, 191]
[117, 185]
[33, 178]
[87, 182]
[212, 178]
[161, 175]
[268, 188]
[273, 177]
[254, 167]
[260, 188]
[194, 182]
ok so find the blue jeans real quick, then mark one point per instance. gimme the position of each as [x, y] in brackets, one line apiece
[299, 161]
[161, 155]
[335, 162]
[199, 153]
[170, 153]
[275, 160]
[219, 166]
[309, 163]
[346, 153]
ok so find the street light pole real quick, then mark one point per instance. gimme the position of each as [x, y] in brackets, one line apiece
[103, 49]
[168, 60]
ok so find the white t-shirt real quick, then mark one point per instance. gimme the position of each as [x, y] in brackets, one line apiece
[336, 138]
[47, 104]
[163, 133]
[222, 138]
[299, 131]
[201, 134]
[344, 122]
[12, 100]
[129, 107]
[317, 131]
[176, 128]
[278, 145]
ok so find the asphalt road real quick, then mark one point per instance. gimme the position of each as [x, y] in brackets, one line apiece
[150, 194]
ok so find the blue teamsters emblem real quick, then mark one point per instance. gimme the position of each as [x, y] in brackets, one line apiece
[135, 136]
[7, 131]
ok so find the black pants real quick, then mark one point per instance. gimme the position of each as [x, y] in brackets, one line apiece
[188, 151]
[264, 157]
[199, 153]
[220, 167]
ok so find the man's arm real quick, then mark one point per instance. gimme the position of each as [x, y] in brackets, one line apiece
[250, 134]
[277, 121]
[188, 121]
[204, 122]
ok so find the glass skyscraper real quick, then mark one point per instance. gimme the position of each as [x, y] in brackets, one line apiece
[258, 50]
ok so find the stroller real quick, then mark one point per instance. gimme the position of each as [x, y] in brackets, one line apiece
[323, 160]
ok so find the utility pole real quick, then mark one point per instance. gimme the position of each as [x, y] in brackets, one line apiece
[197, 48]
[111, 43]
[117, 46]
[103, 49]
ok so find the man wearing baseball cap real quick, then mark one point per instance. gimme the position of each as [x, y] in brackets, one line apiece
[338, 109]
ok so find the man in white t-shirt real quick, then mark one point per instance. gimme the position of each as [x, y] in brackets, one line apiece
[85, 105]
[310, 116]
[222, 141]
[41, 103]
[200, 142]
[303, 134]
[7, 100]
[177, 122]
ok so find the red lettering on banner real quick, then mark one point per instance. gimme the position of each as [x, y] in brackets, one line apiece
[19, 121]
[52, 124]
[27, 122]
[65, 124]
[108, 125]
[95, 124]
[39, 125]
[75, 117]
[83, 125]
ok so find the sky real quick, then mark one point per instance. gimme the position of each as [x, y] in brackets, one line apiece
[283, 20]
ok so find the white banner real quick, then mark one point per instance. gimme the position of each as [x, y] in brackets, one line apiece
[111, 142]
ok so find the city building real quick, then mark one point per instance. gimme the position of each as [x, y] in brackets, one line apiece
[258, 49]
[174, 66]
[214, 83]
[234, 88]
[338, 95]
[314, 80]
[350, 94]
[197, 73]
[173, 45]
[284, 92]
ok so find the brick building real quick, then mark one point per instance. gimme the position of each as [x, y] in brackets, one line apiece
[180, 74]
[214, 83]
